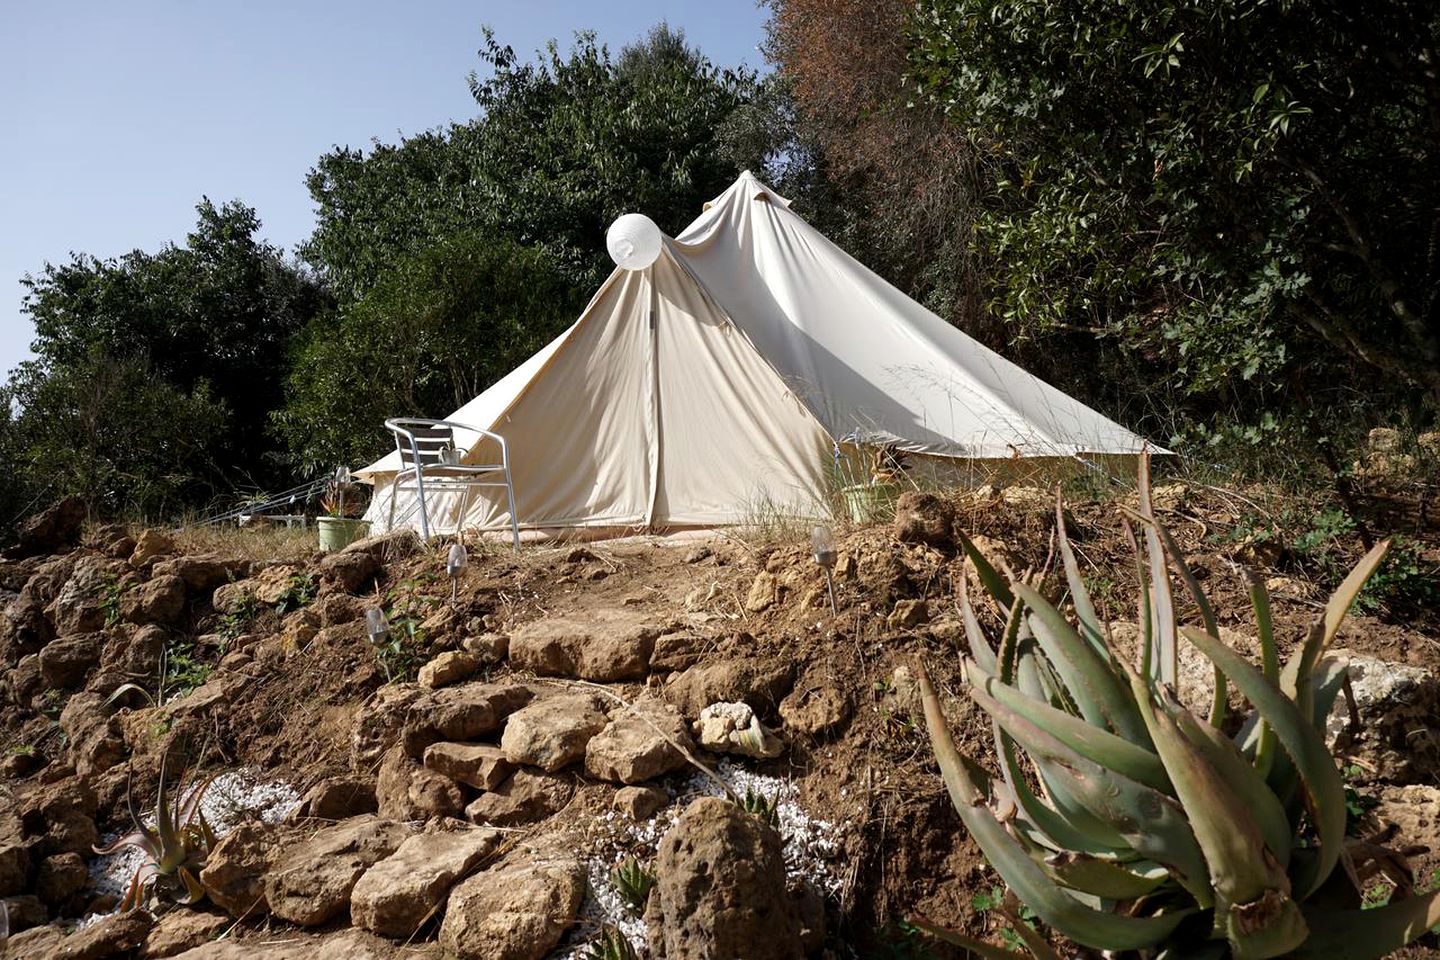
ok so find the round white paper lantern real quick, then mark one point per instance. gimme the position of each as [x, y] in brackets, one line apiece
[633, 241]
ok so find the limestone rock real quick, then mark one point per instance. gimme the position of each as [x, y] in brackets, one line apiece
[734, 728]
[637, 744]
[721, 889]
[405, 790]
[62, 813]
[1399, 707]
[760, 683]
[552, 733]
[379, 722]
[464, 713]
[397, 894]
[611, 646]
[338, 798]
[480, 765]
[388, 547]
[159, 600]
[151, 546]
[923, 518]
[815, 710]
[115, 934]
[333, 609]
[14, 856]
[180, 930]
[349, 569]
[55, 528]
[311, 883]
[448, 668]
[679, 651]
[908, 614]
[60, 877]
[79, 607]
[524, 798]
[234, 873]
[514, 912]
[764, 592]
[203, 572]
[66, 662]
[490, 647]
[25, 912]
[641, 803]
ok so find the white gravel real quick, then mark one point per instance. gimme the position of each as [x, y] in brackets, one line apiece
[232, 799]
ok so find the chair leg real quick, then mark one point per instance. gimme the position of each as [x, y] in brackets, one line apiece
[424, 511]
[394, 493]
[514, 519]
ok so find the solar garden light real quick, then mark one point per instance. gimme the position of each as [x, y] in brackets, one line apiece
[455, 565]
[376, 626]
[341, 482]
[822, 545]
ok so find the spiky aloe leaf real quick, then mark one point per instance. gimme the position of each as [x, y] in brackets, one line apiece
[980, 648]
[1165, 663]
[1085, 613]
[1344, 596]
[1220, 752]
[980, 948]
[1253, 907]
[1092, 742]
[994, 583]
[1324, 791]
[1051, 903]
[1144, 819]
[1090, 680]
[1369, 934]
[1112, 881]
[1264, 746]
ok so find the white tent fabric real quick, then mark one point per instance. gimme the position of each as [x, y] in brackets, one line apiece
[720, 383]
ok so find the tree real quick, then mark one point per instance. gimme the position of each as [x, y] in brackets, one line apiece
[190, 339]
[562, 146]
[431, 333]
[1245, 190]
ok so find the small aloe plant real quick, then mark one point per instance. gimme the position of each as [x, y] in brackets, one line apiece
[633, 882]
[1125, 821]
[759, 805]
[612, 945]
[175, 847]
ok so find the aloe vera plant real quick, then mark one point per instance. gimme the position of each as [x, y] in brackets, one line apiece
[1127, 822]
[175, 847]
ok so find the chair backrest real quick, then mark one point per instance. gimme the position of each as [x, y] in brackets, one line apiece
[422, 444]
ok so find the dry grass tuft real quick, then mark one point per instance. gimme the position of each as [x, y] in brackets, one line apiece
[251, 543]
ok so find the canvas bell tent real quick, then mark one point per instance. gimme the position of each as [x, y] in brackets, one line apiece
[750, 363]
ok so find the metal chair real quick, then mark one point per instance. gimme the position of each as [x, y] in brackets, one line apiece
[429, 458]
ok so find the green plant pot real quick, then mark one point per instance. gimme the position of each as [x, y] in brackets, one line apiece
[336, 533]
[867, 502]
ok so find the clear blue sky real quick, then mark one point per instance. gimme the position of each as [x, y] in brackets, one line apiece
[115, 118]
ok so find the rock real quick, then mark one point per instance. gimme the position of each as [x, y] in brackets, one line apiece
[379, 723]
[734, 728]
[24, 912]
[159, 600]
[81, 604]
[679, 651]
[401, 892]
[464, 713]
[406, 790]
[132, 651]
[311, 883]
[60, 877]
[490, 647]
[347, 944]
[151, 546]
[612, 646]
[24, 681]
[65, 663]
[115, 934]
[38, 942]
[480, 765]
[908, 614]
[339, 798]
[388, 547]
[816, 710]
[760, 683]
[698, 554]
[234, 872]
[641, 803]
[514, 912]
[203, 572]
[923, 518]
[524, 798]
[334, 609]
[54, 529]
[180, 930]
[721, 889]
[229, 598]
[638, 744]
[1415, 809]
[14, 856]
[448, 668]
[349, 570]
[552, 733]
[62, 814]
[764, 592]
[1399, 707]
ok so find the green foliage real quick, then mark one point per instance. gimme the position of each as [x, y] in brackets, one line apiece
[182, 669]
[1155, 829]
[238, 618]
[1405, 583]
[759, 805]
[432, 331]
[612, 944]
[634, 883]
[994, 900]
[1229, 192]
[175, 845]
[112, 591]
[300, 591]
[154, 372]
